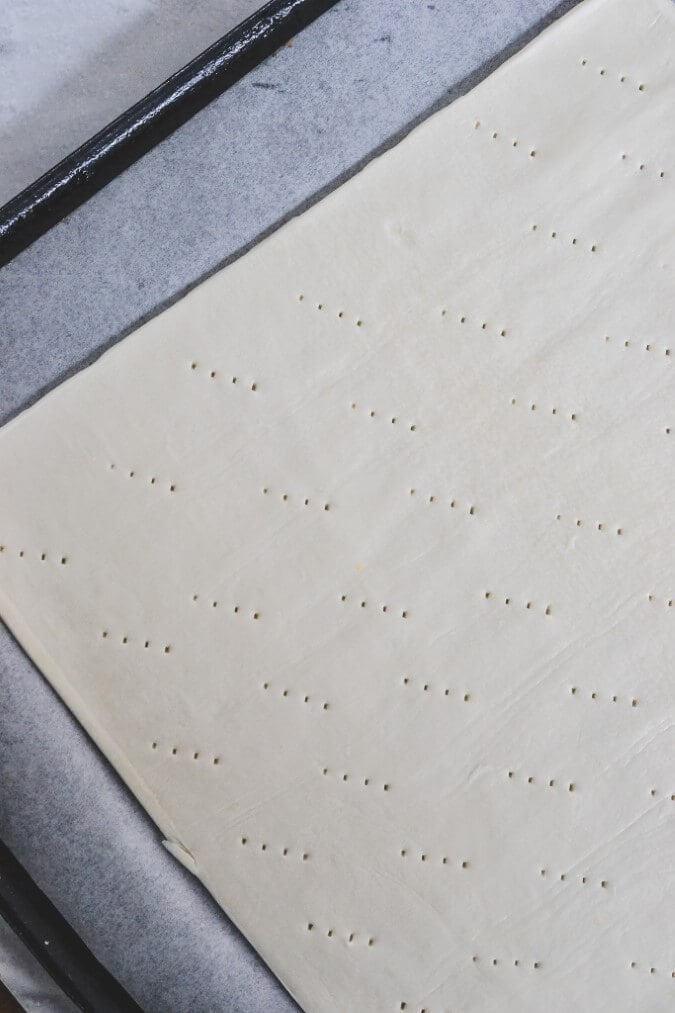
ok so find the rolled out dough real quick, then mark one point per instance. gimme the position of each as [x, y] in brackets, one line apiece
[358, 562]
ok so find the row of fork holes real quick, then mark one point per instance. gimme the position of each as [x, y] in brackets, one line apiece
[235, 609]
[213, 373]
[489, 595]
[593, 695]
[642, 166]
[634, 966]
[365, 781]
[573, 240]
[393, 419]
[668, 602]
[564, 877]
[285, 498]
[484, 326]
[284, 852]
[340, 314]
[515, 143]
[620, 78]
[427, 688]
[627, 343]
[194, 754]
[152, 480]
[554, 411]
[285, 693]
[452, 503]
[531, 780]
[599, 525]
[21, 553]
[350, 937]
[125, 639]
[493, 962]
[424, 857]
[403, 614]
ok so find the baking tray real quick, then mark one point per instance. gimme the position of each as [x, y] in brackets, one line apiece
[56, 946]
[25, 218]
[104, 156]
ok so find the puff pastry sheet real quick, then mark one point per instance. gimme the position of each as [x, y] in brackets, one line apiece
[358, 562]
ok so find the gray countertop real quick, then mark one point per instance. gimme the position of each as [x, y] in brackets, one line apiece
[351, 84]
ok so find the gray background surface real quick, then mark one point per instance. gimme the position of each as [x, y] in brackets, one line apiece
[350, 85]
[67, 67]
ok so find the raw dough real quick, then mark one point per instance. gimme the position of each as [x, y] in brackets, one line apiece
[358, 562]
